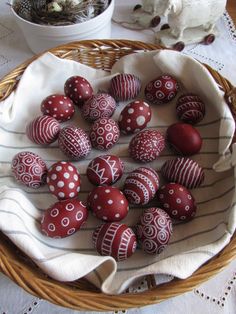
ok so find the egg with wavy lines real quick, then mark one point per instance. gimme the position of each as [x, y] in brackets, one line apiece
[125, 86]
[29, 169]
[64, 218]
[154, 230]
[43, 130]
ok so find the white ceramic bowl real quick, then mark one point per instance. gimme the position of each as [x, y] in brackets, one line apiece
[43, 37]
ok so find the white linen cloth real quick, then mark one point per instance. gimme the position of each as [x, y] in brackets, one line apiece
[68, 259]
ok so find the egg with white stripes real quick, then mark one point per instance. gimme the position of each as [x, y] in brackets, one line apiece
[125, 86]
[116, 240]
[64, 218]
[184, 171]
[190, 108]
[43, 130]
[63, 180]
[141, 185]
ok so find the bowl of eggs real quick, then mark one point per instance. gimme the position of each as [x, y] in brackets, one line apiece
[46, 24]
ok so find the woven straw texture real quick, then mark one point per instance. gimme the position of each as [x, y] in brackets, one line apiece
[81, 295]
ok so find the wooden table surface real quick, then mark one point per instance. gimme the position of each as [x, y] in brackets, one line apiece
[231, 8]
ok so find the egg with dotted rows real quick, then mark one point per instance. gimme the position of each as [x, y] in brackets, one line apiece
[64, 218]
[154, 230]
[58, 106]
[43, 130]
[116, 240]
[74, 142]
[98, 106]
[141, 185]
[177, 201]
[161, 90]
[104, 133]
[184, 139]
[29, 169]
[190, 108]
[146, 145]
[125, 86]
[78, 89]
[108, 203]
[105, 170]
[184, 171]
[134, 117]
[63, 180]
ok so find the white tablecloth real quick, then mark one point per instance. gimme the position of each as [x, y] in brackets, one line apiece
[215, 296]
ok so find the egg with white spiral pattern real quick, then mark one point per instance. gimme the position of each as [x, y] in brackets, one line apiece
[29, 169]
[154, 230]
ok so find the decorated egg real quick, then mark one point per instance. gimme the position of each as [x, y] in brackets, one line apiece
[141, 185]
[147, 145]
[59, 107]
[154, 230]
[190, 108]
[105, 170]
[184, 171]
[108, 203]
[116, 240]
[161, 90]
[74, 142]
[135, 117]
[184, 139]
[63, 180]
[78, 89]
[98, 106]
[43, 130]
[29, 169]
[104, 133]
[64, 218]
[177, 201]
[125, 86]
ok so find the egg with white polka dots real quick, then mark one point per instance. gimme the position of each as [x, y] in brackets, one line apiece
[108, 203]
[78, 89]
[177, 201]
[59, 107]
[134, 117]
[63, 180]
[64, 218]
[104, 133]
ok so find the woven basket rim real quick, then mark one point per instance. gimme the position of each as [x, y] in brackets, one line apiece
[82, 296]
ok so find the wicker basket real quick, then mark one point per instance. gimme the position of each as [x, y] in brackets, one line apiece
[81, 295]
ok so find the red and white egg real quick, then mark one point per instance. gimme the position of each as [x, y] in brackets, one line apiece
[184, 139]
[63, 180]
[78, 89]
[43, 130]
[177, 201]
[29, 169]
[125, 86]
[98, 106]
[58, 106]
[104, 133]
[64, 218]
[190, 108]
[146, 146]
[105, 170]
[116, 240]
[161, 90]
[141, 185]
[184, 171]
[108, 203]
[134, 117]
[154, 230]
[74, 142]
